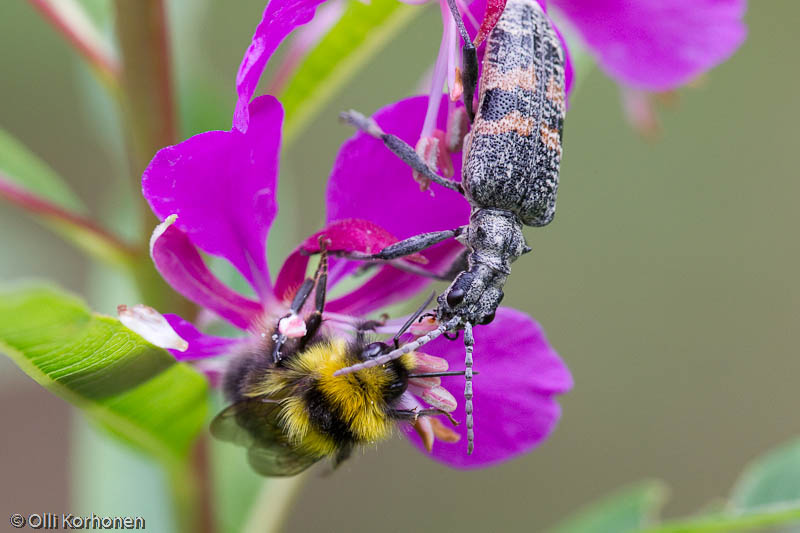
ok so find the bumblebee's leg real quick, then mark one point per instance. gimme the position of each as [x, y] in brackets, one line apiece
[298, 302]
[411, 415]
[372, 325]
[400, 148]
[368, 326]
[342, 455]
[469, 342]
[319, 281]
[469, 76]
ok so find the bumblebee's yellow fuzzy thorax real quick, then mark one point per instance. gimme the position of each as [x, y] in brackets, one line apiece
[357, 400]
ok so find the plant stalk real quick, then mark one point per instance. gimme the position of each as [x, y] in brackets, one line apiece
[147, 92]
[78, 229]
[71, 20]
[148, 110]
[269, 512]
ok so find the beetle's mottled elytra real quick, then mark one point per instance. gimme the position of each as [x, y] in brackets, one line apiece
[512, 155]
[510, 173]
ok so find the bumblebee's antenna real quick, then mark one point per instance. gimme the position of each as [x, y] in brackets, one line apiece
[469, 342]
[408, 347]
[440, 374]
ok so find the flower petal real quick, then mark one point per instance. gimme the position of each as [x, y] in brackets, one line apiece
[391, 285]
[279, 19]
[494, 8]
[201, 346]
[222, 186]
[569, 70]
[302, 41]
[364, 170]
[349, 235]
[657, 45]
[181, 266]
[514, 405]
[152, 326]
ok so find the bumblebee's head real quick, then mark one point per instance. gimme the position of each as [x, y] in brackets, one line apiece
[397, 369]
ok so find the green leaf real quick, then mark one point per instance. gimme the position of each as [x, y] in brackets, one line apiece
[25, 169]
[29, 183]
[629, 509]
[767, 494]
[360, 33]
[772, 479]
[728, 523]
[133, 388]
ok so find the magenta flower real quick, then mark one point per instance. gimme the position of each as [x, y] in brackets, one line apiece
[365, 165]
[657, 45]
[221, 185]
[645, 45]
[215, 193]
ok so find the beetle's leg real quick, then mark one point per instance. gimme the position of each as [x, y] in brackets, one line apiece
[469, 342]
[469, 57]
[400, 148]
[410, 246]
[458, 265]
[406, 247]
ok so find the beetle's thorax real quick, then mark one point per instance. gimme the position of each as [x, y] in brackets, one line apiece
[494, 238]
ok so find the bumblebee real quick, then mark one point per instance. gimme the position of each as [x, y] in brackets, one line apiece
[290, 411]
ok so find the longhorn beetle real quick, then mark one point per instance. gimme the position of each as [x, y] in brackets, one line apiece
[510, 172]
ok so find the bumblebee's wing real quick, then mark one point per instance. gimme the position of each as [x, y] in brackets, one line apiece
[253, 424]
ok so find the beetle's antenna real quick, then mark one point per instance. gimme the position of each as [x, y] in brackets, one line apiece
[469, 342]
[395, 354]
[469, 59]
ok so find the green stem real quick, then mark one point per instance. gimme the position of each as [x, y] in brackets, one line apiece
[149, 112]
[147, 102]
[149, 115]
[191, 491]
[273, 503]
[146, 78]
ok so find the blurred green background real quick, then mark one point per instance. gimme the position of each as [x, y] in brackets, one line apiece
[668, 280]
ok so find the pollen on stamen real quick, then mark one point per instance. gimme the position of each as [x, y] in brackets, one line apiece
[423, 326]
[429, 363]
[457, 127]
[433, 150]
[292, 326]
[458, 87]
